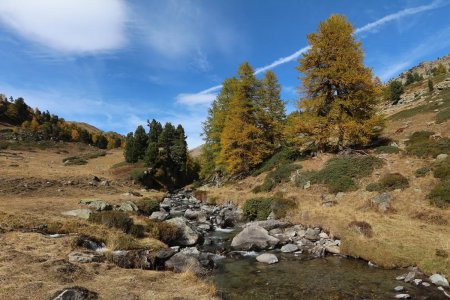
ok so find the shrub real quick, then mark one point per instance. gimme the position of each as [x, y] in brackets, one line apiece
[162, 231]
[147, 205]
[136, 230]
[284, 156]
[138, 174]
[441, 169]
[422, 172]
[420, 144]
[301, 178]
[374, 187]
[362, 227]
[440, 194]
[393, 181]
[3, 146]
[339, 172]
[257, 208]
[388, 149]
[443, 116]
[112, 219]
[281, 174]
[280, 206]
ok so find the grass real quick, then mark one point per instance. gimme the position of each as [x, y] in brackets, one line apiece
[441, 169]
[388, 149]
[422, 172]
[443, 116]
[138, 174]
[280, 174]
[162, 231]
[422, 145]
[389, 182]
[339, 173]
[361, 227]
[82, 159]
[440, 194]
[147, 206]
[260, 208]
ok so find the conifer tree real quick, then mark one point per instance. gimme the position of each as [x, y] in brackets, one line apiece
[430, 85]
[339, 100]
[141, 140]
[151, 153]
[130, 153]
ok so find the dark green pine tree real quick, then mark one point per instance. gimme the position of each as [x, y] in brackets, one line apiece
[141, 141]
[130, 149]
[179, 151]
[151, 157]
[430, 85]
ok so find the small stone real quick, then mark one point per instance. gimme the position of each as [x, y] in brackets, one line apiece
[410, 276]
[289, 248]
[417, 281]
[402, 296]
[267, 258]
[323, 235]
[401, 277]
[442, 156]
[439, 280]
[425, 284]
[399, 288]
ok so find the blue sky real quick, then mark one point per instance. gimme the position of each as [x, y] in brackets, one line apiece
[117, 63]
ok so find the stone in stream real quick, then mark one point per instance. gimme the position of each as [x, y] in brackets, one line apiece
[289, 248]
[312, 234]
[425, 284]
[85, 257]
[80, 213]
[439, 280]
[269, 224]
[75, 293]
[199, 216]
[188, 235]
[333, 249]
[254, 238]
[410, 276]
[267, 258]
[417, 281]
[399, 288]
[180, 263]
[402, 296]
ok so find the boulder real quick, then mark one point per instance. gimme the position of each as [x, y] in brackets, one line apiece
[79, 213]
[333, 249]
[85, 257]
[382, 201]
[159, 215]
[289, 248]
[162, 256]
[267, 258]
[399, 288]
[75, 293]
[254, 238]
[133, 259]
[128, 206]
[99, 205]
[195, 215]
[269, 224]
[180, 263]
[410, 276]
[312, 234]
[439, 280]
[188, 235]
[402, 296]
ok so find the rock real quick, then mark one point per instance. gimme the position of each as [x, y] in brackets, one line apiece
[105, 183]
[128, 206]
[190, 214]
[180, 263]
[159, 215]
[307, 185]
[439, 280]
[269, 224]
[254, 238]
[188, 235]
[267, 258]
[417, 281]
[100, 205]
[333, 249]
[402, 296]
[133, 259]
[80, 213]
[442, 156]
[401, 277]
[317, 251]
[410, 276]
[323, 235]
[399, 288]
[165, 253]
[85, 257]
[312, 234]
[289, 248]
[425, 284]
[382, 201]
[191, 251]
[75, 293]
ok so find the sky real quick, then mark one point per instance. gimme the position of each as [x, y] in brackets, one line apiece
[116, 63]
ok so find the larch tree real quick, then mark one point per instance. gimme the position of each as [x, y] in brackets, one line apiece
[339, 94]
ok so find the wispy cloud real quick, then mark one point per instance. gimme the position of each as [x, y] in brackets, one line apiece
[69, 26]
[196, 98]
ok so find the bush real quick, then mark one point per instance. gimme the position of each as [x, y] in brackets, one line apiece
[388, 149]
[394, 181]
[147, 206]
[284, 156]
[441, 169]
[3, 146]
[374, 187]
[443, 116]
[422, 172]
[420, 144]
[440, 194]
[338, 173]
[112, 219]
[257, 208]
[280, 206]
[162, 231]
[281, 174]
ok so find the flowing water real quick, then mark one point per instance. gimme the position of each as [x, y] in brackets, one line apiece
[301, 277]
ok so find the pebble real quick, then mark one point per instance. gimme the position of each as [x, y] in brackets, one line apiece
[399, 288]
[402, 296]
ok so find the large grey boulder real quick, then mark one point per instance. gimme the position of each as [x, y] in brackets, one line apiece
[267, 258]
[312, 234]
[254, 238]
[199, 216]
[180, 263]
[79, 213]
[75, 293]
[188, 235]
[382, 201]
[439, 280]
[128, 206]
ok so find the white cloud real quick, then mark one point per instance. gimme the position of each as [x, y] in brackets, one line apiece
[196, 99]
[68, 26]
